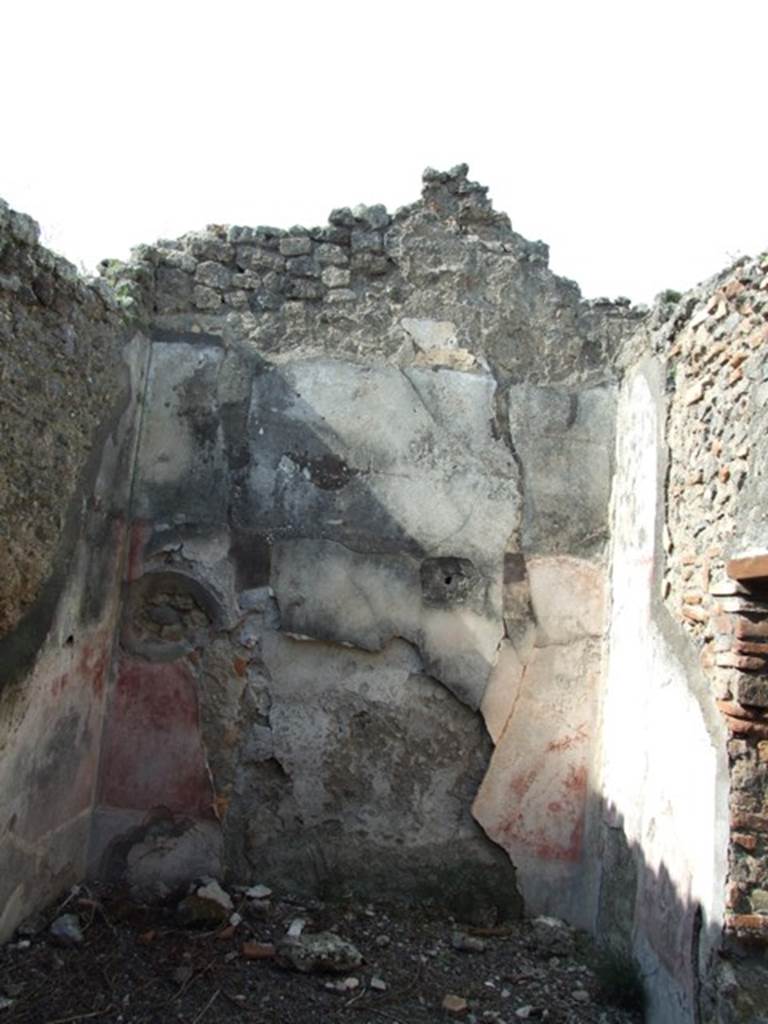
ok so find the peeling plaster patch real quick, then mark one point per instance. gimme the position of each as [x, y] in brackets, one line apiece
[565, 440]
[157, 858]
[503, 691]
[430, 334]
[533, 799]
[327, 592]
[568, 598]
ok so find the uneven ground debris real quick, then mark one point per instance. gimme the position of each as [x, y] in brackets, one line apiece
[138, 966]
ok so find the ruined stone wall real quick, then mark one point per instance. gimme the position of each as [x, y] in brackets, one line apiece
[65, 407]
[371, 500]
[663, 779]
[717, 498]
[424, 581]
[687, 650]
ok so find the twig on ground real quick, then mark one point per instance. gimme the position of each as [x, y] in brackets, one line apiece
[207, 1006]
[81, 1016]
[193, 977]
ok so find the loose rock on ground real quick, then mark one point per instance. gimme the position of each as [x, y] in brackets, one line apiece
[137, 964]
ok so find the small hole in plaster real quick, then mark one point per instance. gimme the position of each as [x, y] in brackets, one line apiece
[448, 580]
[69, 641]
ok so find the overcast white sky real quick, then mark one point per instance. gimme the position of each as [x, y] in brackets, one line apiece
[630, 136]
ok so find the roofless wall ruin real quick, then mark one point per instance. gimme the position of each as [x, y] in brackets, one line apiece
[373, 556]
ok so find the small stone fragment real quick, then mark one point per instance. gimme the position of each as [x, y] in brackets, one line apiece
[467, 943]
[31, 926]
[66, 930]
[319, 951]
[455, 1005]
[296, 927]
[258, 892]
[345, 985]
[260, 908]
[258, 950]
[378, 984]
[208, 907]
[553, 936]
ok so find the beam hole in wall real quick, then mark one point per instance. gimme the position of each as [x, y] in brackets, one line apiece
[448, 580]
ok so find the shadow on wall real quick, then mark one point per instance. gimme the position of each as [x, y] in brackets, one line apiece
[690, 973]
[305, 567]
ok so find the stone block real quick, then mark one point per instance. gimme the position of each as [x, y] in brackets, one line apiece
[295, 245]
[752, 690]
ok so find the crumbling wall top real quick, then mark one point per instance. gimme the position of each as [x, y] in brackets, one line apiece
[445, 280]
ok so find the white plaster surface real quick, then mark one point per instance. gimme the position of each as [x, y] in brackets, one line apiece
[660, 765]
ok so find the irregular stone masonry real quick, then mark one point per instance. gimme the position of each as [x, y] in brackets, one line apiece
[717, 357]
[368, 284]
[59, 370]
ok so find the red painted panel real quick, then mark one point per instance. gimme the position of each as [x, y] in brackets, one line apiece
[153, 753]
[551, 828]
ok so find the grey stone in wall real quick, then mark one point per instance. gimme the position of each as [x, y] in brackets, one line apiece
[564, 440]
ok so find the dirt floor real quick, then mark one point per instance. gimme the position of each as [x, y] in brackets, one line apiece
[136, 964]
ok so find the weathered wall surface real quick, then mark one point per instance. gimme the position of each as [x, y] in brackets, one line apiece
[716, 345]
[664, 827]
[688, 655]
[358, 519]
[67, 411]
[59, 370]
[424, 582]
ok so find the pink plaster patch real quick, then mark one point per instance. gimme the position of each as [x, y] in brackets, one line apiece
[140, 532]
[533, 799]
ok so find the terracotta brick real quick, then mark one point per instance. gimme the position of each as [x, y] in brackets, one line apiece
[751, 647]
[752, 924]
[739, 604]
[695, 613]
[729, 707]
[745, 628]
[733, 896]
[740, 727]
[747, 842]
[748, 567]
[743, 662]
[753, 822]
